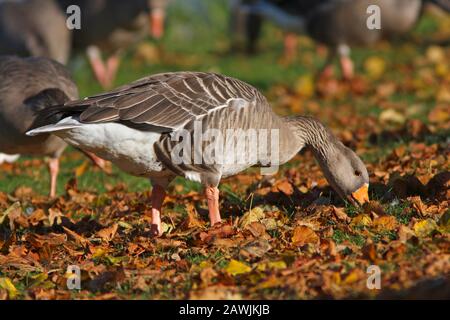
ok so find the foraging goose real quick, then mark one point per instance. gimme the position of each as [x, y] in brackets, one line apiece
[34, 28]
[141, 126]
[112, 26]
[341, 24]
[29, 85]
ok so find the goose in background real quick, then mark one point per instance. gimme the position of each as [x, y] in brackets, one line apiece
[341, 24]
[34, 28]
[136, 127]
[8, 158]
[110, 27]
[27, 86]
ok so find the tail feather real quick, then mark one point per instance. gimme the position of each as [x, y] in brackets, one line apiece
[65, 124]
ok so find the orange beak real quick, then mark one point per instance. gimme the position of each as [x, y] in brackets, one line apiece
[362, 194]
[157, 23]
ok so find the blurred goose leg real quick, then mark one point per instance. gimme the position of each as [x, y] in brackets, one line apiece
[53, 166]
[157, 17]
[97, 65]
[345, 62]
[290, 46]
[157, 199]
[212, 195]
[99, 162]
[112, 65]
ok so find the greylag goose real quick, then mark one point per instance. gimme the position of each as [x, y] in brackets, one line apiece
[28, 85]
[110, 27]
[159, 127]
[34, 28]
[341, 24]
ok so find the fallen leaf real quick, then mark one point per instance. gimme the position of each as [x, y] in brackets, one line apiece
[303, 235]
[236, 267]
[424, 228]
[107, 234]
[6, 283]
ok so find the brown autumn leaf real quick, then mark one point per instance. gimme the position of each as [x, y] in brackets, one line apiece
[37, 216]
[340, 214]
[218, 231]
[304, 235]
[192, 220]
[385, 223]
[79, 240]
[285, 187]
[107, 234]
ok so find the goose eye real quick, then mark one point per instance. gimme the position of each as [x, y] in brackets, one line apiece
[357, 173]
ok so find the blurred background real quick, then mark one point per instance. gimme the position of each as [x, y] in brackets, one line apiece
[399, 88]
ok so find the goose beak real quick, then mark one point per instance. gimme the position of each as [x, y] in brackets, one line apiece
[361, 195]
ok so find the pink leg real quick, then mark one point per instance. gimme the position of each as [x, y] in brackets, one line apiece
[212, 195]
[347, 67]
[53, 166]
[112, 65]
[290, 45]
[157, 198]
[97, 65]
[157, 23]
[99, 162]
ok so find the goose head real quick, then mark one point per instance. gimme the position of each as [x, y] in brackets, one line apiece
[343, 169]
[346, 173]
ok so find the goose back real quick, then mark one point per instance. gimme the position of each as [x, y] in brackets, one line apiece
[34, 28]
[28, 86]
[193, 103]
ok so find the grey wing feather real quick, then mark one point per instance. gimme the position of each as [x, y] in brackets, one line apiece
[168, 100]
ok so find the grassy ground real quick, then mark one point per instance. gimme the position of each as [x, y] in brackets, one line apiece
[394, 114]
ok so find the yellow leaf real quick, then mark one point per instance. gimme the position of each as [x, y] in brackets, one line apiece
[254, 215]
[424, 228]
[375, 67]
[392, 116]
[352, 277]
[236, 267]
[361, 220]
[98, 253]
[6, 283]
[304, 86]
[435, 54]
[276, 265]
[81, 169]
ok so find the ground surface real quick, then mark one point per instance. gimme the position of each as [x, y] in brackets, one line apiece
[287, 237]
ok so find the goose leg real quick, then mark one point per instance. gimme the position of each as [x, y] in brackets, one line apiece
[53, 166]
[99, 162]
[345, 62]
[290, 46]
[157, 17]
[97, 65]
[157, 198]
[112, 65]
[212, 195]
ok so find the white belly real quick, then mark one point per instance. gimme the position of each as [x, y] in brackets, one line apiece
[129, 149]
